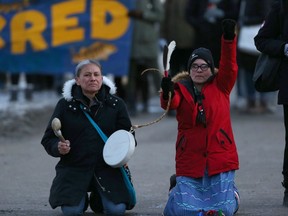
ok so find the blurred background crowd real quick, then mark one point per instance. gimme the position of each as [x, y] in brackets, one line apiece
[191, 24]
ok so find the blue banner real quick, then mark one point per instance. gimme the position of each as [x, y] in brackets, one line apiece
[52, 36]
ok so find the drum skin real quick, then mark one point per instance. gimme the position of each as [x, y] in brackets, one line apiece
[119, 148]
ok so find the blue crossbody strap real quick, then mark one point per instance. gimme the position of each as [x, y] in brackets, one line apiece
[128, 183]
[101, 133]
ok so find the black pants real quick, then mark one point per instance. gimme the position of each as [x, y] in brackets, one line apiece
[285, 161]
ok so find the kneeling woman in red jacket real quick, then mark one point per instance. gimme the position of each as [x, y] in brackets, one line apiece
[206, 153]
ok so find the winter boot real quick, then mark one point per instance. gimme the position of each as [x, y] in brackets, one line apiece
[28, 92]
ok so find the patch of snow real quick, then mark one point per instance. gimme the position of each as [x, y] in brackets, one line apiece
[39, 100]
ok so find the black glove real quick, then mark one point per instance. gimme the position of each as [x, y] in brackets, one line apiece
[136, 14]
[228, 26]
[167, 86]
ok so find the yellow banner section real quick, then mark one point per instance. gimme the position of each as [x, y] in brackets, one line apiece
[64, 22]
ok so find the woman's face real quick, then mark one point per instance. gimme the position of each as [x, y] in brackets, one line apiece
[90, 79]
[200, 71]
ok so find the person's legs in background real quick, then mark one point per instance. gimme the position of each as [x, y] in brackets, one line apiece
[251, 92]
[28, 92]
[240, 90]
[131, 91]
[253, 105]
[143, 82]
[285, 160]
[139, 82]
[14, 90]
[257, 102]
[3, 80]
[121, 92]
[268, 102]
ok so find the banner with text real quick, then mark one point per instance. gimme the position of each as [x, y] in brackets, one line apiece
[51, 37]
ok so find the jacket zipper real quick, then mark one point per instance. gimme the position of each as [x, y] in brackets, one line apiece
[100, 106]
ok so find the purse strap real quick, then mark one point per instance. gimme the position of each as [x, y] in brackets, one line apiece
[101, 133]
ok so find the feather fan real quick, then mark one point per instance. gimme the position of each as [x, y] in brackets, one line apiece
[167, 52]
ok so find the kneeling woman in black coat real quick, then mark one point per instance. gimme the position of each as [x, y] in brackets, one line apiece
[81, 168]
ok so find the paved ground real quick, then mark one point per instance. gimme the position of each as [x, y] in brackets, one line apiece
[27, 171]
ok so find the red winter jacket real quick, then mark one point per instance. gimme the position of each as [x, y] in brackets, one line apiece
[212, 148]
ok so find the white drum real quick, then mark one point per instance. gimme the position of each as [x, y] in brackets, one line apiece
[119, 148]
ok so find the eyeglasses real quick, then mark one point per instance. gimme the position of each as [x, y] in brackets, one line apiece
[203, 67]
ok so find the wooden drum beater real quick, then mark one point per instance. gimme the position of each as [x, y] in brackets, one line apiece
[56, 126]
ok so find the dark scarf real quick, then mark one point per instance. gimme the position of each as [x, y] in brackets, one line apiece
[198, 99]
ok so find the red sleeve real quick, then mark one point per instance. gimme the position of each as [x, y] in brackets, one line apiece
[228, 67]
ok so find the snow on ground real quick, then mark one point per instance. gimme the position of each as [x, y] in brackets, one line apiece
[40, 99]
[23, 117]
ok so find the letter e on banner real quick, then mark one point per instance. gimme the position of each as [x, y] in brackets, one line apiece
[66, 27]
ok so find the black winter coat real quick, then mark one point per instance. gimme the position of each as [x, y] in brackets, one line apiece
[271, 39]
[75, 171]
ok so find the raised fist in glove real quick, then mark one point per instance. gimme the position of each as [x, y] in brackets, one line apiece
[228, 26]
[167, 86]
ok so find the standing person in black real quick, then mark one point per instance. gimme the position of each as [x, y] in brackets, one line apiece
[272, 39]
[206, 16]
